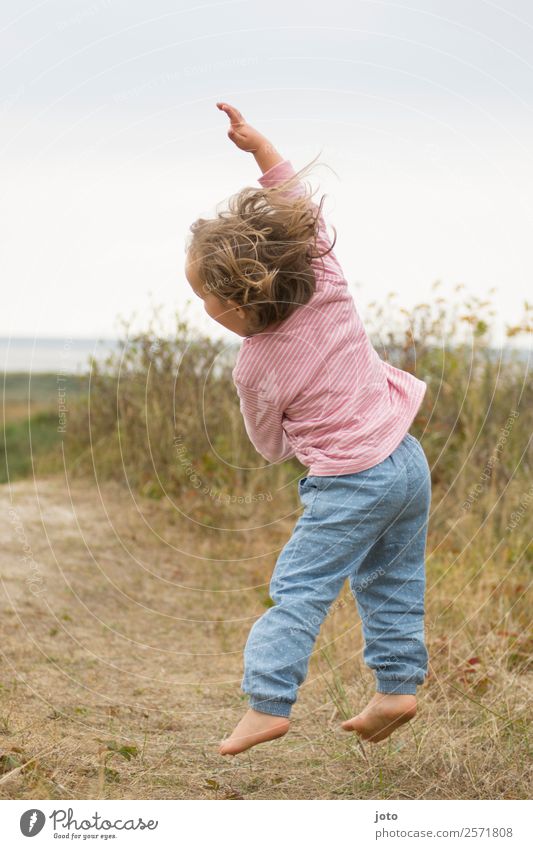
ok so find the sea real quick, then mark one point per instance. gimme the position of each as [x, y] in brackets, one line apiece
[72, 356]
[57, 355]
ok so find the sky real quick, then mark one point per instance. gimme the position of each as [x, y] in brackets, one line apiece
[111, 146]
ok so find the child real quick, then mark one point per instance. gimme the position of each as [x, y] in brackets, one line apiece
[312, 386]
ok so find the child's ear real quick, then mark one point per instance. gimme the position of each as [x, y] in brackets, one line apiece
[237, 307]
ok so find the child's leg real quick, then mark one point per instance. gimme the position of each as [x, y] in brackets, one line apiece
[344, 517]
[308, 576]
[389, 588]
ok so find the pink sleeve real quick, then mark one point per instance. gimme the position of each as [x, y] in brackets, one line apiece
[284, 171]
[263, 423]
[277, 174]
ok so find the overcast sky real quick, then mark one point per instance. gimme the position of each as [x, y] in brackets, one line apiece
[112, 146]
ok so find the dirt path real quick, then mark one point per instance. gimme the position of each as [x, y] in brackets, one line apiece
[118, 626]
[121, 658]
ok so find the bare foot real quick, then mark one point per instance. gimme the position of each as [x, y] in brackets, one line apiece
[254, 728]
[382, 715]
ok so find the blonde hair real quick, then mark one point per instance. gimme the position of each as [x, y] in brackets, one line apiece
[258, 251]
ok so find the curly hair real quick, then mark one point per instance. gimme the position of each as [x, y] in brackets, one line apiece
[258, 251]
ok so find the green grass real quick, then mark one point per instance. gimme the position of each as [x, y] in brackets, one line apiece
[40, 389]
[30, 440]
[24, 443]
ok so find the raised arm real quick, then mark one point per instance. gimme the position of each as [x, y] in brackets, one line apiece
[249, 139]
[276, 170]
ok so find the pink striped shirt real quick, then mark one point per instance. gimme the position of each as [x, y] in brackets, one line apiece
[313, 387]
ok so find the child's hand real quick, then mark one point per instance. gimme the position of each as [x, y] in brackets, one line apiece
[241, 133]
[248, 139]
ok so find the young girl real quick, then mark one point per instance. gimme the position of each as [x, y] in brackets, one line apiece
[312, 386]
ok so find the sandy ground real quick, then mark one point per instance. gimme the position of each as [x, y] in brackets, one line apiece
[121, 662]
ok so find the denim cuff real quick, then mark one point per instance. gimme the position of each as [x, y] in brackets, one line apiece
[396, 686]
[273, 706]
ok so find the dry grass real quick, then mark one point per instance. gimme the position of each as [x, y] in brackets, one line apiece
[121, 670]
[129, 585]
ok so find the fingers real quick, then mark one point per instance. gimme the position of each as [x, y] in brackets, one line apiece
[233, 114]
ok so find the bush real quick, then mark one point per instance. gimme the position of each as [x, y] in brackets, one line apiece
[163, 413]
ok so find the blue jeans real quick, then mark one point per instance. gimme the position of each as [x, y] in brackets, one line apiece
[371, 528]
